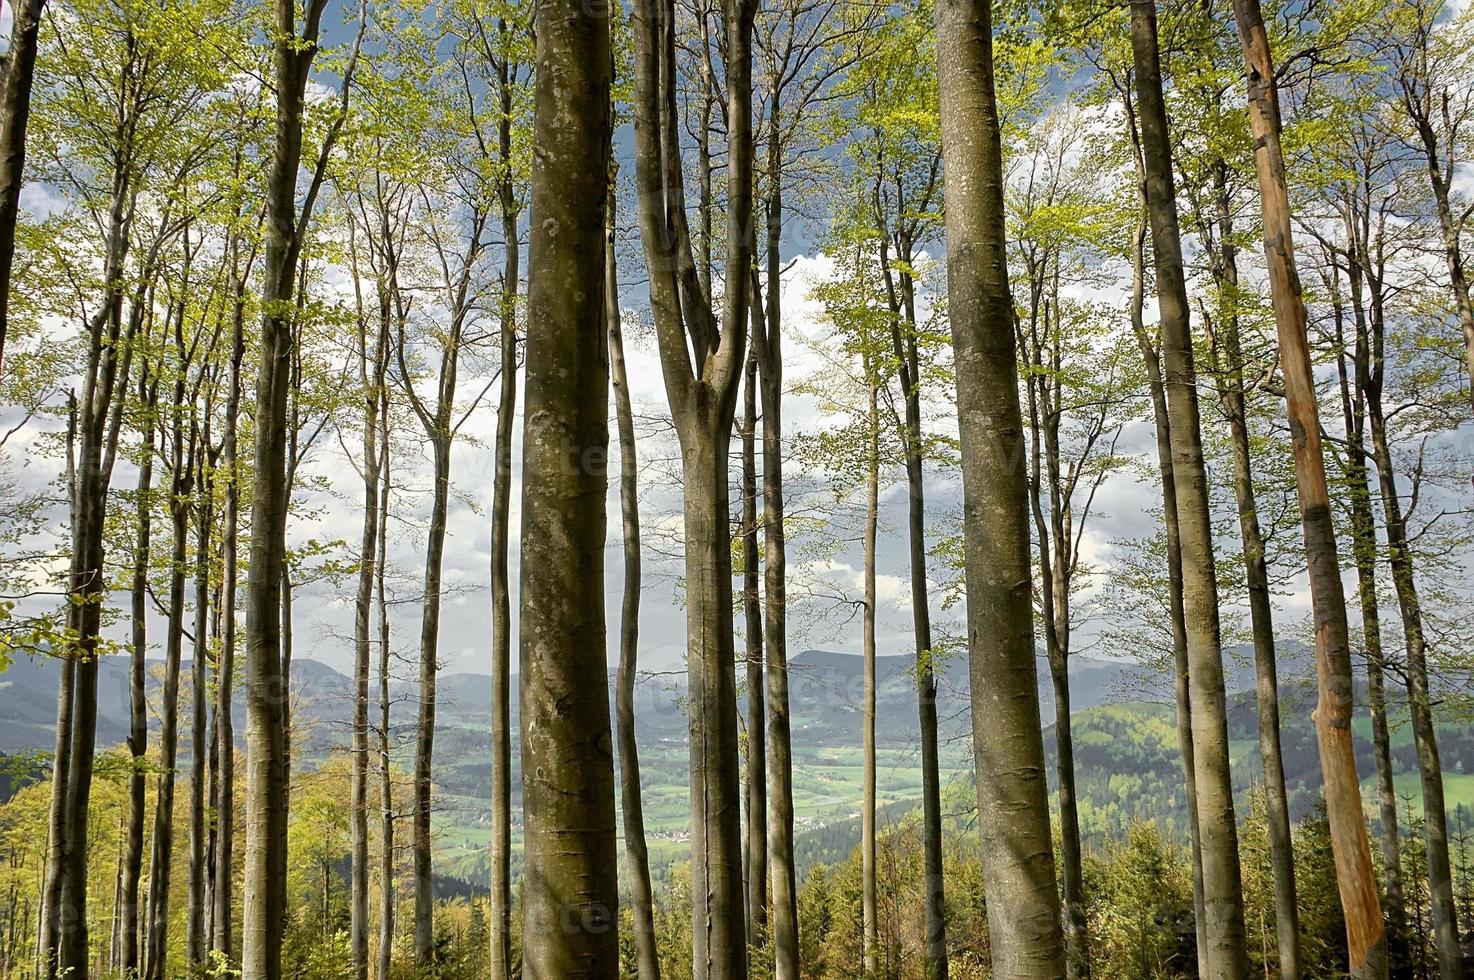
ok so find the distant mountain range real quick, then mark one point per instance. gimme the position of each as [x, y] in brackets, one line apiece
[825, 687]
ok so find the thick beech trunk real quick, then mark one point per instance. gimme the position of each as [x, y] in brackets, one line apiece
[756, 801]
[1355, 875]
[1017, 852]
[570, 913]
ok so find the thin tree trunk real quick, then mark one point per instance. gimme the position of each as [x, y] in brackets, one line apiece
[570, 903]
[386, 783]
[757, 753]
[15, 116]
[501, 602]
[195, 937]
[267, 682]
[1226, 952]
[162, 858]
[1364, 551]
[1355, 877]
[642, 897]
[222, 932]
[128, 962]
[371, 378]
[425, 730]
[1230, 378]
[1013, 803]
[768, 350]
[702, 366]
[870, 934]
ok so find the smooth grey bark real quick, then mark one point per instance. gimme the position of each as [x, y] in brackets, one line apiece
[1225, 953]
[1151, 358]
[701, 362]
[1013, 803]
[570, 896]
[15, 117]
[642, 898]
[1355, 876]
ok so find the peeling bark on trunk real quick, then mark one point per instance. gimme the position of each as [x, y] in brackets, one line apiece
[1013, 803]
[1355, 876]
[570, 899]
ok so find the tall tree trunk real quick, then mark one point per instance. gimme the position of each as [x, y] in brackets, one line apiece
[15, 116]
[701, 363]
[870, 926]
[1355, 876]
[768, 349]
[1230, 379]
[162, 859]
[1226, 952]
[425, 731]
[223, 891]
[128, 961]
[1364, 551]
[1182, 695]
[266, 677]
[642, 897]
[371, 379]
[1443, 912]
[195, 936]
[1013, 802]
[757, 712]
[386, 782]
[501, 602]
[570, 913]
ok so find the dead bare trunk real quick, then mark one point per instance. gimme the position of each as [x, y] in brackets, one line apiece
[570, 899]
[1013, 802]
[1355, 876]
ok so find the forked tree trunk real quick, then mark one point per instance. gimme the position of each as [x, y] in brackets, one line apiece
[570, 899]
[1013, 801]
[702, 365]
[642, 898]
[1355, 876]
